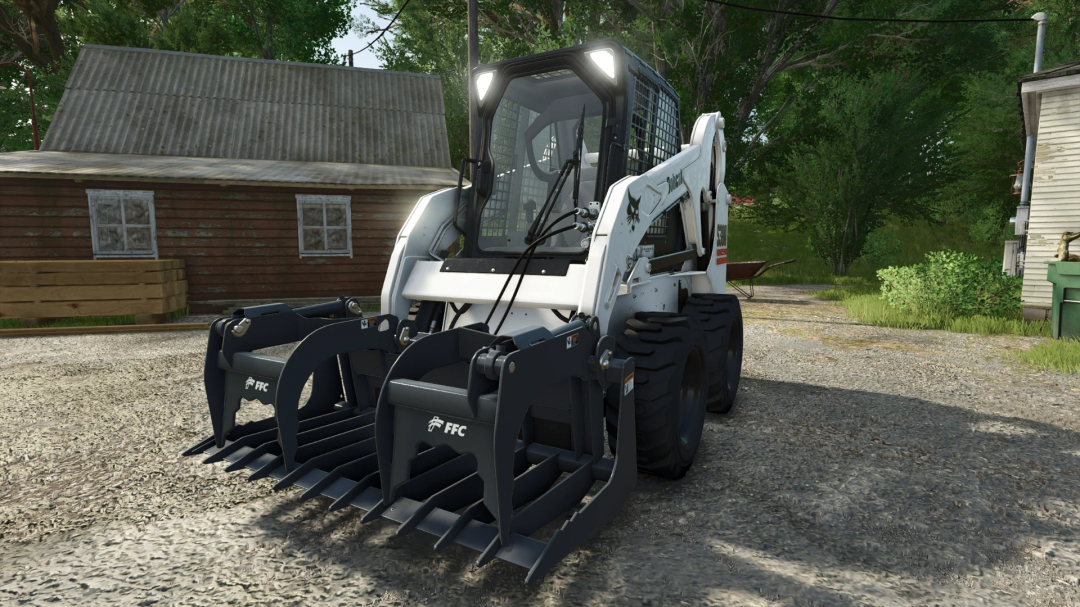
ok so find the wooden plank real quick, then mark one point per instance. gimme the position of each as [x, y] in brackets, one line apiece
[68, 309]
[91, 265]
[92, 292]
[109, 330]
[43, 279]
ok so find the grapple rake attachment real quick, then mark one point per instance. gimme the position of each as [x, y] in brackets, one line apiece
[332, 338]
[479, 440]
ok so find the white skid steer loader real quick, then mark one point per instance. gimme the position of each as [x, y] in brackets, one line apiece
[576, 285]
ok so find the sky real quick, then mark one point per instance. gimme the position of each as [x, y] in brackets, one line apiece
[357, 42]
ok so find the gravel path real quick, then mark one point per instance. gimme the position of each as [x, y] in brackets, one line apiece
[861, 466]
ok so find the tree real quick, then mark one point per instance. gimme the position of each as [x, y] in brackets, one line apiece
[28, 29]
[874, 156]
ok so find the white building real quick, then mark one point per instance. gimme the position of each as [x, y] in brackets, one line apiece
[1051, 107]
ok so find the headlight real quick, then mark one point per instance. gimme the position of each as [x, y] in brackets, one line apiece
[483, 83]
[605, 60]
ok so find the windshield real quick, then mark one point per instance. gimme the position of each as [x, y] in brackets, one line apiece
[533, 134]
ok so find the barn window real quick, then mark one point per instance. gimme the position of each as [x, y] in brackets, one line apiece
[325, 225]
[122, 223]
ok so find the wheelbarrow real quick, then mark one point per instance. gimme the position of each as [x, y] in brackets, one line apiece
[748, 271]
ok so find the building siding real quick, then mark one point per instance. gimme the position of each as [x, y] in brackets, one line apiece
[1055, 192]
[237, 242]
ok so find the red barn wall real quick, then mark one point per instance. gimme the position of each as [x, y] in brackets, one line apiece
[237, 242]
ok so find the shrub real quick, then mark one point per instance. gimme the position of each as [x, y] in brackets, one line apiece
[882, 249]
[951, 283]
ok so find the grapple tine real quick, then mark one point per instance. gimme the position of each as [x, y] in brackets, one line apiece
[322, 345]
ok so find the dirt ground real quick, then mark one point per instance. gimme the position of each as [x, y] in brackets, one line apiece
[860, 466]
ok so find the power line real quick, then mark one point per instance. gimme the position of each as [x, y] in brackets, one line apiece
[385, 29]
[797, 14]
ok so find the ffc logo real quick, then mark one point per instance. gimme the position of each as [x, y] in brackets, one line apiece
[260, 386]
[448, 427]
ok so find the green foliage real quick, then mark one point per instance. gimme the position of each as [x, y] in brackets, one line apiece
[288, 30]
[871, 309]
[16, 132]
[752, 241]
[1061, 355]
[78, 321]
[882, 248]
[952, 283]
[869, 161]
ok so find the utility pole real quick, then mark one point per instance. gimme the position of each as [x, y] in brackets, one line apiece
[1029, 150]
[474, 60]
[33, 115]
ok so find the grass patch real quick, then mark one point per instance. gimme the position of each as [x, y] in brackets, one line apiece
[871, 309]
[748, 241]
[1061, 355]
[78, 321]
[182, 312]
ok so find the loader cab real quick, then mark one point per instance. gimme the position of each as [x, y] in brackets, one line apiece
[530, 108]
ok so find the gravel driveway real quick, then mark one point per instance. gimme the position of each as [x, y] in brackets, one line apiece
[861, 466]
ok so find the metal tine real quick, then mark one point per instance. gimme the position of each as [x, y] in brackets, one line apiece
[310, 436]
[253, 455]
[307, 423]
[335, 441]
[251, 440]
[557, 500]
[456, 496]
[533, 484]
[270, 434]
[355, 490]
[322, 439]
[199, 447]
[266, 470]
[362, 467]
[425, 460]
[236, 433]
[429, 458]
[479, 511]
[425, 484]
[535, 481]
[452, 498]
[329, 460]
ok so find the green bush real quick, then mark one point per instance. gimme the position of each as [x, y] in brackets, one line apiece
[953, 284]
[882, 249]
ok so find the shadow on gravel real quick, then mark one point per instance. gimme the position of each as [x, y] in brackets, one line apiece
[820, 495]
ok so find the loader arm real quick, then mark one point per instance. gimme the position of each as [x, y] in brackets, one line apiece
[616, 271]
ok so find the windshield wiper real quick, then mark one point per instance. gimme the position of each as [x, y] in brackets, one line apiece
[574, 163]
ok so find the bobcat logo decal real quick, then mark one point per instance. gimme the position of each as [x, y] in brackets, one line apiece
[674, 181]
[632, 214]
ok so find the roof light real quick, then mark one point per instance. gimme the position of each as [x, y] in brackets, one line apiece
[483, 82]
[605, 60]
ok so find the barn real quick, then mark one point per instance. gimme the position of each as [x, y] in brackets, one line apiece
[1051, 107]
[269, 179]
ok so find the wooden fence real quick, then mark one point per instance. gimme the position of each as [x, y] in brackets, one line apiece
[146, 288]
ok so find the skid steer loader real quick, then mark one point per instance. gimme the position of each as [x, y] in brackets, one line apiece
[572, 294]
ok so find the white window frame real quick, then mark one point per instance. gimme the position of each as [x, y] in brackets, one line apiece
[92, 197]
[322, 199]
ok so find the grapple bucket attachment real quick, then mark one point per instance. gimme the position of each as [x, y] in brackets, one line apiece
[334, 343]
[478, 440]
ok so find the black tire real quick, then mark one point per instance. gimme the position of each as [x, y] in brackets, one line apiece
[719, 318]
[670, 384]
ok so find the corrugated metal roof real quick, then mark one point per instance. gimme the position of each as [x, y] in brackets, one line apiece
[81, 165]
[1067, 69]
[140, 101]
